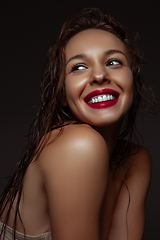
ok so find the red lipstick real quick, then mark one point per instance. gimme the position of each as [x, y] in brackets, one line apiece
[92, 98]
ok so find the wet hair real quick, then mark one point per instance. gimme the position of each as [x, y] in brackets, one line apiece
[53, 114]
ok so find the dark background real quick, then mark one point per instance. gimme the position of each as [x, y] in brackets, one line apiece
[27, 30]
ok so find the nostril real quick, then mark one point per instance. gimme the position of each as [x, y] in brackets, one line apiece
[104, 80]
[100, 81]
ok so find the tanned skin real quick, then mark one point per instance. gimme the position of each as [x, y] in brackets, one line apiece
[70, 189]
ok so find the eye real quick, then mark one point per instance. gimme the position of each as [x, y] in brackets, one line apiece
[77, 67]
[114, 63]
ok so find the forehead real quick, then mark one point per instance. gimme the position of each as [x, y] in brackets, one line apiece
[91, 40]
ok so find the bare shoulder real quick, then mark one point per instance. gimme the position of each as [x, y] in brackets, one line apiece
[136, 180]
[83, 132]
[141, 159]
[140, 165]
[75, 140]
[74, 168]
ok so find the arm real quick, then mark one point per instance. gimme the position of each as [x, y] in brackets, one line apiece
[138, 183]
[75, 178]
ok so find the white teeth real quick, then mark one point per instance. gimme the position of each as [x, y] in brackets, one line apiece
[105, 98]
[101, 98]
[112, 97]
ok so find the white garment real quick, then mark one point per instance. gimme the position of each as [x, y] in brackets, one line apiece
[9, 233]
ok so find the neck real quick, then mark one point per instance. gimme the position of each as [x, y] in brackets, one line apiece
[110, 134]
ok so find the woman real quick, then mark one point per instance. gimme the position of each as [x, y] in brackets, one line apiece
[79, 178]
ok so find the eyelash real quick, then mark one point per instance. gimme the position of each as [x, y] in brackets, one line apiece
[114, 60]
[75, 66]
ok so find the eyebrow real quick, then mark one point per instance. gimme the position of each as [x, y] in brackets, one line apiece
[107, 53]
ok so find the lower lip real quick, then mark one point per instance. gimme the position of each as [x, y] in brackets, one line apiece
[106, 104]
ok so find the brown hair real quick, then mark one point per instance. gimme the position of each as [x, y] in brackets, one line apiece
[52, 114]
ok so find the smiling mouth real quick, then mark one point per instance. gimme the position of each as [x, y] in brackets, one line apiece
[102, 98]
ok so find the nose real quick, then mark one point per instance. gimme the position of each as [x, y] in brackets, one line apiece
[99, 75]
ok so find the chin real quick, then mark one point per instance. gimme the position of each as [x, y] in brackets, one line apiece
[103, 122]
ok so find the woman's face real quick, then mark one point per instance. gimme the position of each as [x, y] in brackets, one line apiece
[99, 81]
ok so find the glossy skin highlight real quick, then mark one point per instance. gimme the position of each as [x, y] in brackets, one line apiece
[71, 190]
[97, 60]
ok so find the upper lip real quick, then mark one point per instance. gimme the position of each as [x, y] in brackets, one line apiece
[100, 92]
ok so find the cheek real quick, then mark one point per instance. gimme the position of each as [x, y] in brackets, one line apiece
[128, 83]
[125, 81]
[128, 88]
[74, 86]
